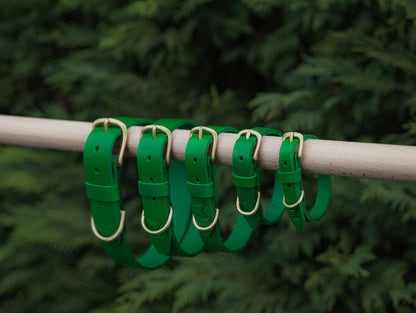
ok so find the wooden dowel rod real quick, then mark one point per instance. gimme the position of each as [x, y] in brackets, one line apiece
[339, 158]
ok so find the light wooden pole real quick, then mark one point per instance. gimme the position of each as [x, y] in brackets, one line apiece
[339, 158]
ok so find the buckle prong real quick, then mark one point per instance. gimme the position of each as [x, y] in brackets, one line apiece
[106, 124]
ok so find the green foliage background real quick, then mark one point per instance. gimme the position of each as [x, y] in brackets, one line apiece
[343, 70]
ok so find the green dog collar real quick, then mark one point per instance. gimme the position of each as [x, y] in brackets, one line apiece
[102, 172]
[290, 176]
[166, 207]
[202, 186]
[275, 210]
[246, 176]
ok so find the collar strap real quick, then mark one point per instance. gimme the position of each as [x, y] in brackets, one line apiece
[202, 186]
[290, 177]
[275, 210]
[246, 176]
[166, 208]
[102, 172]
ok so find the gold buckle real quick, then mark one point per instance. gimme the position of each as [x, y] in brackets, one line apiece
[252, 211]
[291, 135]
[214, 134]
[123, 127]
[209, 227]
[159, 231]
[249, 132]
[294, 205]
[166, 131]
[115, 235]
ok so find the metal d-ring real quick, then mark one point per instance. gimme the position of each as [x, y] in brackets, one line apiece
[252, 211]
[115, 235]
[106, 121]
[294, 205]
[159, 231]
[209, 227]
